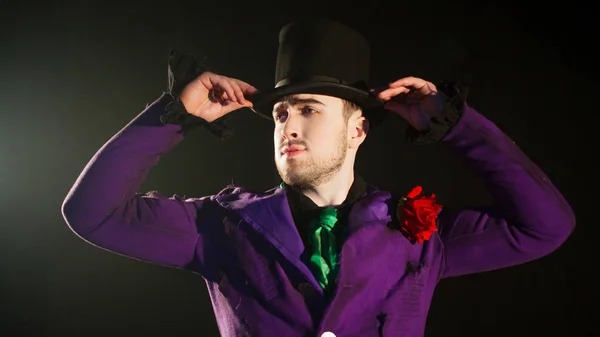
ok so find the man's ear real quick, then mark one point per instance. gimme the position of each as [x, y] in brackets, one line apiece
[359, 129]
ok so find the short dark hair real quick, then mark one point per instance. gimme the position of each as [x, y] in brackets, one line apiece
[349, 108]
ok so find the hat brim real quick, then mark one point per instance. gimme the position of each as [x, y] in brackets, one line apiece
[372, 106]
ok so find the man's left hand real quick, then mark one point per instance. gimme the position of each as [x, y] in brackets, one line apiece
[415, 99]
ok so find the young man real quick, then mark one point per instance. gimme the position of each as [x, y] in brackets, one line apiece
[324, 253]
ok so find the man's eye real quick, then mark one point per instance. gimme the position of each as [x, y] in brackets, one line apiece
[308, 110]
[277, 116]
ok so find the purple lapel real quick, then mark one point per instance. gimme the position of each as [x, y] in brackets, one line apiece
[372, 207]
[270, 215]
[370, 263]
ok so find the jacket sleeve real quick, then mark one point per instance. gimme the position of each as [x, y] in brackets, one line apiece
[528, 219]
[105, 209]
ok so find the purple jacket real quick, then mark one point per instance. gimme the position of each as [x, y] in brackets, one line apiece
[247, 248]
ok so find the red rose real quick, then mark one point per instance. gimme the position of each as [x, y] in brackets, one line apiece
[418, 215]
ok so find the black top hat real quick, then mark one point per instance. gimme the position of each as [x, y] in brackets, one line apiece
[321, 57]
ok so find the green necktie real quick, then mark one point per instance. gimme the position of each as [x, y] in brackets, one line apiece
[324, 260]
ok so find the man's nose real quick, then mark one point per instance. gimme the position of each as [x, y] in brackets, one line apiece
[291, 128]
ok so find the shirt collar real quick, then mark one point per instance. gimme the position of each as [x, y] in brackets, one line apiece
[300, 204]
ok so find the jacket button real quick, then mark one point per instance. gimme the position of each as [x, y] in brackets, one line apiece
[327, 334]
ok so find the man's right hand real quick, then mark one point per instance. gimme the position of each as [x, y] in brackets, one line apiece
[211, 96]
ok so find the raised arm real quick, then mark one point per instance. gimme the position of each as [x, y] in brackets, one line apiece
[105, 208]
[528, 219]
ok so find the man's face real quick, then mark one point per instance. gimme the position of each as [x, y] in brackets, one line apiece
[311, 138]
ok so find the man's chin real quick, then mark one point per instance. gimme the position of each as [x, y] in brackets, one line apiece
[291, 177]
[290, 165]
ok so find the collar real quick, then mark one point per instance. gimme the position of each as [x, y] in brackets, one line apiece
[299, 203]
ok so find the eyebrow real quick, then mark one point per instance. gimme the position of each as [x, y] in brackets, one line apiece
[293, 101]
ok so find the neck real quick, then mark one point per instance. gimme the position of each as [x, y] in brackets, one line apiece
[334, 191]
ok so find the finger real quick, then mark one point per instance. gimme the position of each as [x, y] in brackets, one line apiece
[427, 90]
[247, 90]
[226, 86]
[418, 87]
[251, 90]
[387, 94]
[209, 81]
[432, 87]
[410, 81]
[239, 95]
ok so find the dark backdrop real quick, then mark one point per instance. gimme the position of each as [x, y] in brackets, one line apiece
[72, 73]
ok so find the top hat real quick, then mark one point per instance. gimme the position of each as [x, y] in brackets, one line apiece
[321, 57]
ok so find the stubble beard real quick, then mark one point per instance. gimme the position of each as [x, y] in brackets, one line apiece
[312, 172]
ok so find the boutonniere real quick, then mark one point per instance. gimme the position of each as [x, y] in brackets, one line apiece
[418, 215]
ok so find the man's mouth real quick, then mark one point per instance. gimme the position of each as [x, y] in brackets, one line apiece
[292, 151]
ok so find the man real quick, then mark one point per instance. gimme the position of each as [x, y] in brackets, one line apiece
[324, 253]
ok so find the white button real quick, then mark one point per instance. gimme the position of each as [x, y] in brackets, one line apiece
[328, 334]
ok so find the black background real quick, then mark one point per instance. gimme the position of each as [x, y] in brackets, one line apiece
[73, 73]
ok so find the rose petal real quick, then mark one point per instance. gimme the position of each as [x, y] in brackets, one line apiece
[414, 192]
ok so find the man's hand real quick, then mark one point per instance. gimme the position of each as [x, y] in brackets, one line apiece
[415, 99]
[211, 96]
